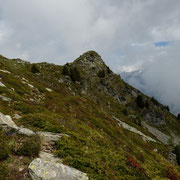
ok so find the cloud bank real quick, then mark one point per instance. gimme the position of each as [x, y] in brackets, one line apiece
[130, 35]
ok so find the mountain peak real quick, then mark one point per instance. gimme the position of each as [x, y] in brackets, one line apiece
[90, 57]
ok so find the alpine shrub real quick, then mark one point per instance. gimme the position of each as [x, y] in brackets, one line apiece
[140, 101]
[34, 69]
[75, 74]
[101, 74]
[65, 71]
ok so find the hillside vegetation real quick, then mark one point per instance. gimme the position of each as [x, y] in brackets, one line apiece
[88, 102]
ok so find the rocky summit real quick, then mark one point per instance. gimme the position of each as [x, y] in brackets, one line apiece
[82, 121]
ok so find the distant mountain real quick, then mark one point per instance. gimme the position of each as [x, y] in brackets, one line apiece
[135, 78]
[139, 80]
[82, 115]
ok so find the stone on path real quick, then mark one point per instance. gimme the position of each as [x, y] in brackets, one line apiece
[48, 167]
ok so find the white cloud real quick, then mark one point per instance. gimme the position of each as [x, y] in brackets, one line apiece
[123, 32]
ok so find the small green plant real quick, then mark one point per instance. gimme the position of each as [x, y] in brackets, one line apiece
[34, 69]
[140, 101]
[101, 74]
[30, 147]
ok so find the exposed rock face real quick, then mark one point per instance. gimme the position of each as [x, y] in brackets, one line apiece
[158, 134]
[48, 167]
[134, 130]
[155, 118]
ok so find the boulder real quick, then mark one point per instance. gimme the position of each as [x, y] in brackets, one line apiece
[47, 167]
[7, 122]
[2, 85]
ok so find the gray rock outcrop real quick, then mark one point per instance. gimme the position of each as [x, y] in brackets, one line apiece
[134, 130]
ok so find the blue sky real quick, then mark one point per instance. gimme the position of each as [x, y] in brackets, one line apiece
[161, 44]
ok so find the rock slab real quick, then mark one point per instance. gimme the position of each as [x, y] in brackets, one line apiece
[47, 167]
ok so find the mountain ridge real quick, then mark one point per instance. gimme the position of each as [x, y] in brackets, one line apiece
[101, 114]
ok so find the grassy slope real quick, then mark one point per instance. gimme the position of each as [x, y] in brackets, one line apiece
[97, 145]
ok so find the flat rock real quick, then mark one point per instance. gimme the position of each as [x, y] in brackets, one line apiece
[17, 116]
[48, 89]
[26, 132]
[49, 137]
[47, 167]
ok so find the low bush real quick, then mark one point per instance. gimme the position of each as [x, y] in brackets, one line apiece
[34, 69]
[30, 147]
[147, 104]
[109, 70]
[138, 120]
[65, 71]
[75, 74]
[140, 102]
[4, 147]
[3, 172]
[101, 74]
